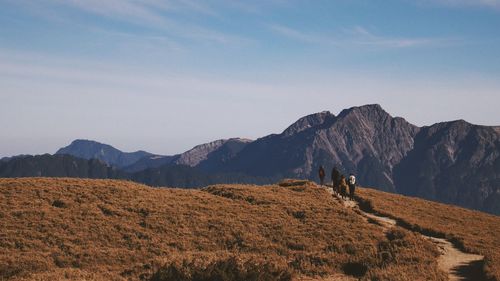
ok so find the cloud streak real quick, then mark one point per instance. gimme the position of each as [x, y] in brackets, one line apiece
[164, 17]
[299, 35]
[359, 36]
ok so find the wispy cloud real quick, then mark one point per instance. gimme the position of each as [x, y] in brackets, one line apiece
[495, 4]
[118, 9]
[160, 16]
[199, 7]
[362, 36]
[258, 7]
[359, 36]
[152, 11]
[299, 35]
[92, 74]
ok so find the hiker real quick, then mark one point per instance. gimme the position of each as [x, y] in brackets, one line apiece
[352, 185]
[321, 173]
[343, 187]
[335, 180]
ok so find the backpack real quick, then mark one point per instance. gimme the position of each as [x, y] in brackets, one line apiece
[352, 180]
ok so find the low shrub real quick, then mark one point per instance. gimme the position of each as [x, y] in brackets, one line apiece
[59, 204]
[227, 269]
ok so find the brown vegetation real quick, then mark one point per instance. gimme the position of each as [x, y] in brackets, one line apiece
[471, 231]
[75, 229]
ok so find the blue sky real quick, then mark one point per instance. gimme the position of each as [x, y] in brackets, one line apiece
[167, 75]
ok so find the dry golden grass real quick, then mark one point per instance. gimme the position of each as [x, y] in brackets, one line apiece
[471, 231]
[77, 229]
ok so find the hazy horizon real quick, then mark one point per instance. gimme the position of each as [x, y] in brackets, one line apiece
[138, 145]
[164, 76]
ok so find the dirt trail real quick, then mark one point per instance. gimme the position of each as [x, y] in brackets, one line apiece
[457, 264]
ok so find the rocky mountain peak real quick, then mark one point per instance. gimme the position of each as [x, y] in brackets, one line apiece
[89, 149]
[307, 122]
[243, 140]
[201, 152]
[86, 148]
[85, 142]
[451, 129]
[370, 111]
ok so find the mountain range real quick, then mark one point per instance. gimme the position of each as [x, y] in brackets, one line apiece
[88, 149]
[452, 162]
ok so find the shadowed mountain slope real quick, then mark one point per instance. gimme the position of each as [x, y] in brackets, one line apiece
[212, 153]
[208, 156]
[191, 177]
[150, 162]
[63, 165]
[454, 162]
[58, 166]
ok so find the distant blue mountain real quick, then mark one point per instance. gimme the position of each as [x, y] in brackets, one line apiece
[88, 149]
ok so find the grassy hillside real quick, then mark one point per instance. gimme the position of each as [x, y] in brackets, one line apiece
[75, 229]
[472, 231]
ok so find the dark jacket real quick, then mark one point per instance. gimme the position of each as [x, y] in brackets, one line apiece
[321, 173]
[335, 177]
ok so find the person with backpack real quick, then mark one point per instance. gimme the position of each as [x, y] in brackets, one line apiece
[335, 180]
[343, 187]
[321, 173]
[352, 185]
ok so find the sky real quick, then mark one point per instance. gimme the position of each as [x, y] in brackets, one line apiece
[164, 76]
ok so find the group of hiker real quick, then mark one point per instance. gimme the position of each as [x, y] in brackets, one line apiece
[342, 186]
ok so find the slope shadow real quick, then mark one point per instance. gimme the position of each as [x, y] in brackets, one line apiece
[472, 271]
[355, 269]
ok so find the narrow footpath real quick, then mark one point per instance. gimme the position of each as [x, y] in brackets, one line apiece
[459, 266]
